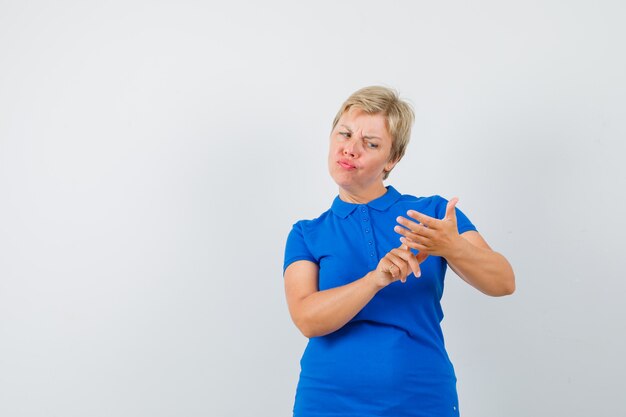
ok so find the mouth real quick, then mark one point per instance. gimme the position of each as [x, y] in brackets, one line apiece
[346, 165]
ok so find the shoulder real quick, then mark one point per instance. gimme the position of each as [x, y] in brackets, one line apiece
[304, 239]
[307, 226]
[433, 205]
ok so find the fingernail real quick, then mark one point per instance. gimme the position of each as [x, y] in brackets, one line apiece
[419, 274]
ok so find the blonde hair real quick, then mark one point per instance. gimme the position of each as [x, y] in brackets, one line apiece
[398, 114]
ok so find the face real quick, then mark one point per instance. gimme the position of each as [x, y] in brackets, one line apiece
[359, 151]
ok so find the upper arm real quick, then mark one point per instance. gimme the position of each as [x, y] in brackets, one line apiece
[301, 280]
[475, 239]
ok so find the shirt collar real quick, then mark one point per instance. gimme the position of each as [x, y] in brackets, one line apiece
[382, 203]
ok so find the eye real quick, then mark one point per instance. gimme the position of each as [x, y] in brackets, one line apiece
[345, 134]
[371, 145]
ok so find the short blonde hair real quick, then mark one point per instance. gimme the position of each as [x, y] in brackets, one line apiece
[398, 114]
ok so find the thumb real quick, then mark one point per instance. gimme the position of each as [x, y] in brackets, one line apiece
[450, 208]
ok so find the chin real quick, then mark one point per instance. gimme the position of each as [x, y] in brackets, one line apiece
[340, 182]
[341, 179]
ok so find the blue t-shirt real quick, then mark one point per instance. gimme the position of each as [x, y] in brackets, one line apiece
[390, 359]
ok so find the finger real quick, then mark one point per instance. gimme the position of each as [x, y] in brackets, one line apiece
[393, 270]
[389, 267]
[408, 224]
[423, 219]
[450, 208]
[407, 256]
[401, 266]
[414, 232]
[413, 262]
[413, 244]
[415, 266]
[421, 257]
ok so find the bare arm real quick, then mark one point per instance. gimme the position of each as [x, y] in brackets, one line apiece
[317, 313]
[478, 265]
[468, 255]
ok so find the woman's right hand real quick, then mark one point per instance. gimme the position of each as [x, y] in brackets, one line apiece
[396, 265]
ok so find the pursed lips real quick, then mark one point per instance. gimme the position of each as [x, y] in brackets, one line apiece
[346, 165]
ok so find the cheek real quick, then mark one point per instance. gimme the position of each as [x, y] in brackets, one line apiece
[331, 154]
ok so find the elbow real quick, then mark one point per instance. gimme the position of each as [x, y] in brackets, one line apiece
[308, 332]
[505, 279]
[500, 291]
[305, 327]
[506, 288]
[305, 330]
[310, 328]
[509, 289]
[305, 320]
[510, 285]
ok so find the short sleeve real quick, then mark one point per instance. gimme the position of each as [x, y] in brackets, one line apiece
[296, 248]
[463, 223]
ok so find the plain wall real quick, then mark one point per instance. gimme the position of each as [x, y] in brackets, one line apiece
[154, 155]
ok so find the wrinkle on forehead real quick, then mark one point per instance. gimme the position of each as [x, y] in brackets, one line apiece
[374, 129]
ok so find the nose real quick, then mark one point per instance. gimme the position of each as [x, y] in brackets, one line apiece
[350, 148]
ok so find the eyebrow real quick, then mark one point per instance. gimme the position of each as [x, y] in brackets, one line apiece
[364, 136]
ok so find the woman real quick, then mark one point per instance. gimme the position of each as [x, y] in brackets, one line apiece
[375, 343]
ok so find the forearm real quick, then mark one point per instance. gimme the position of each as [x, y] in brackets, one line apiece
[323, 312]
[484, 269]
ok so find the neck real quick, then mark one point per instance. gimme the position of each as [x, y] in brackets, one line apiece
[362, 196]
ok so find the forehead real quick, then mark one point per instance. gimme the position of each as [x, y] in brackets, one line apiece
[373, 124]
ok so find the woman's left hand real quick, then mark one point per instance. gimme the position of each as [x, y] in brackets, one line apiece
[430, 235]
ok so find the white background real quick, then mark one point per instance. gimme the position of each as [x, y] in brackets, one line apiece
[154, 155]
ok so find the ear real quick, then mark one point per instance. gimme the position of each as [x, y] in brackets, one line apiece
[389, 166]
